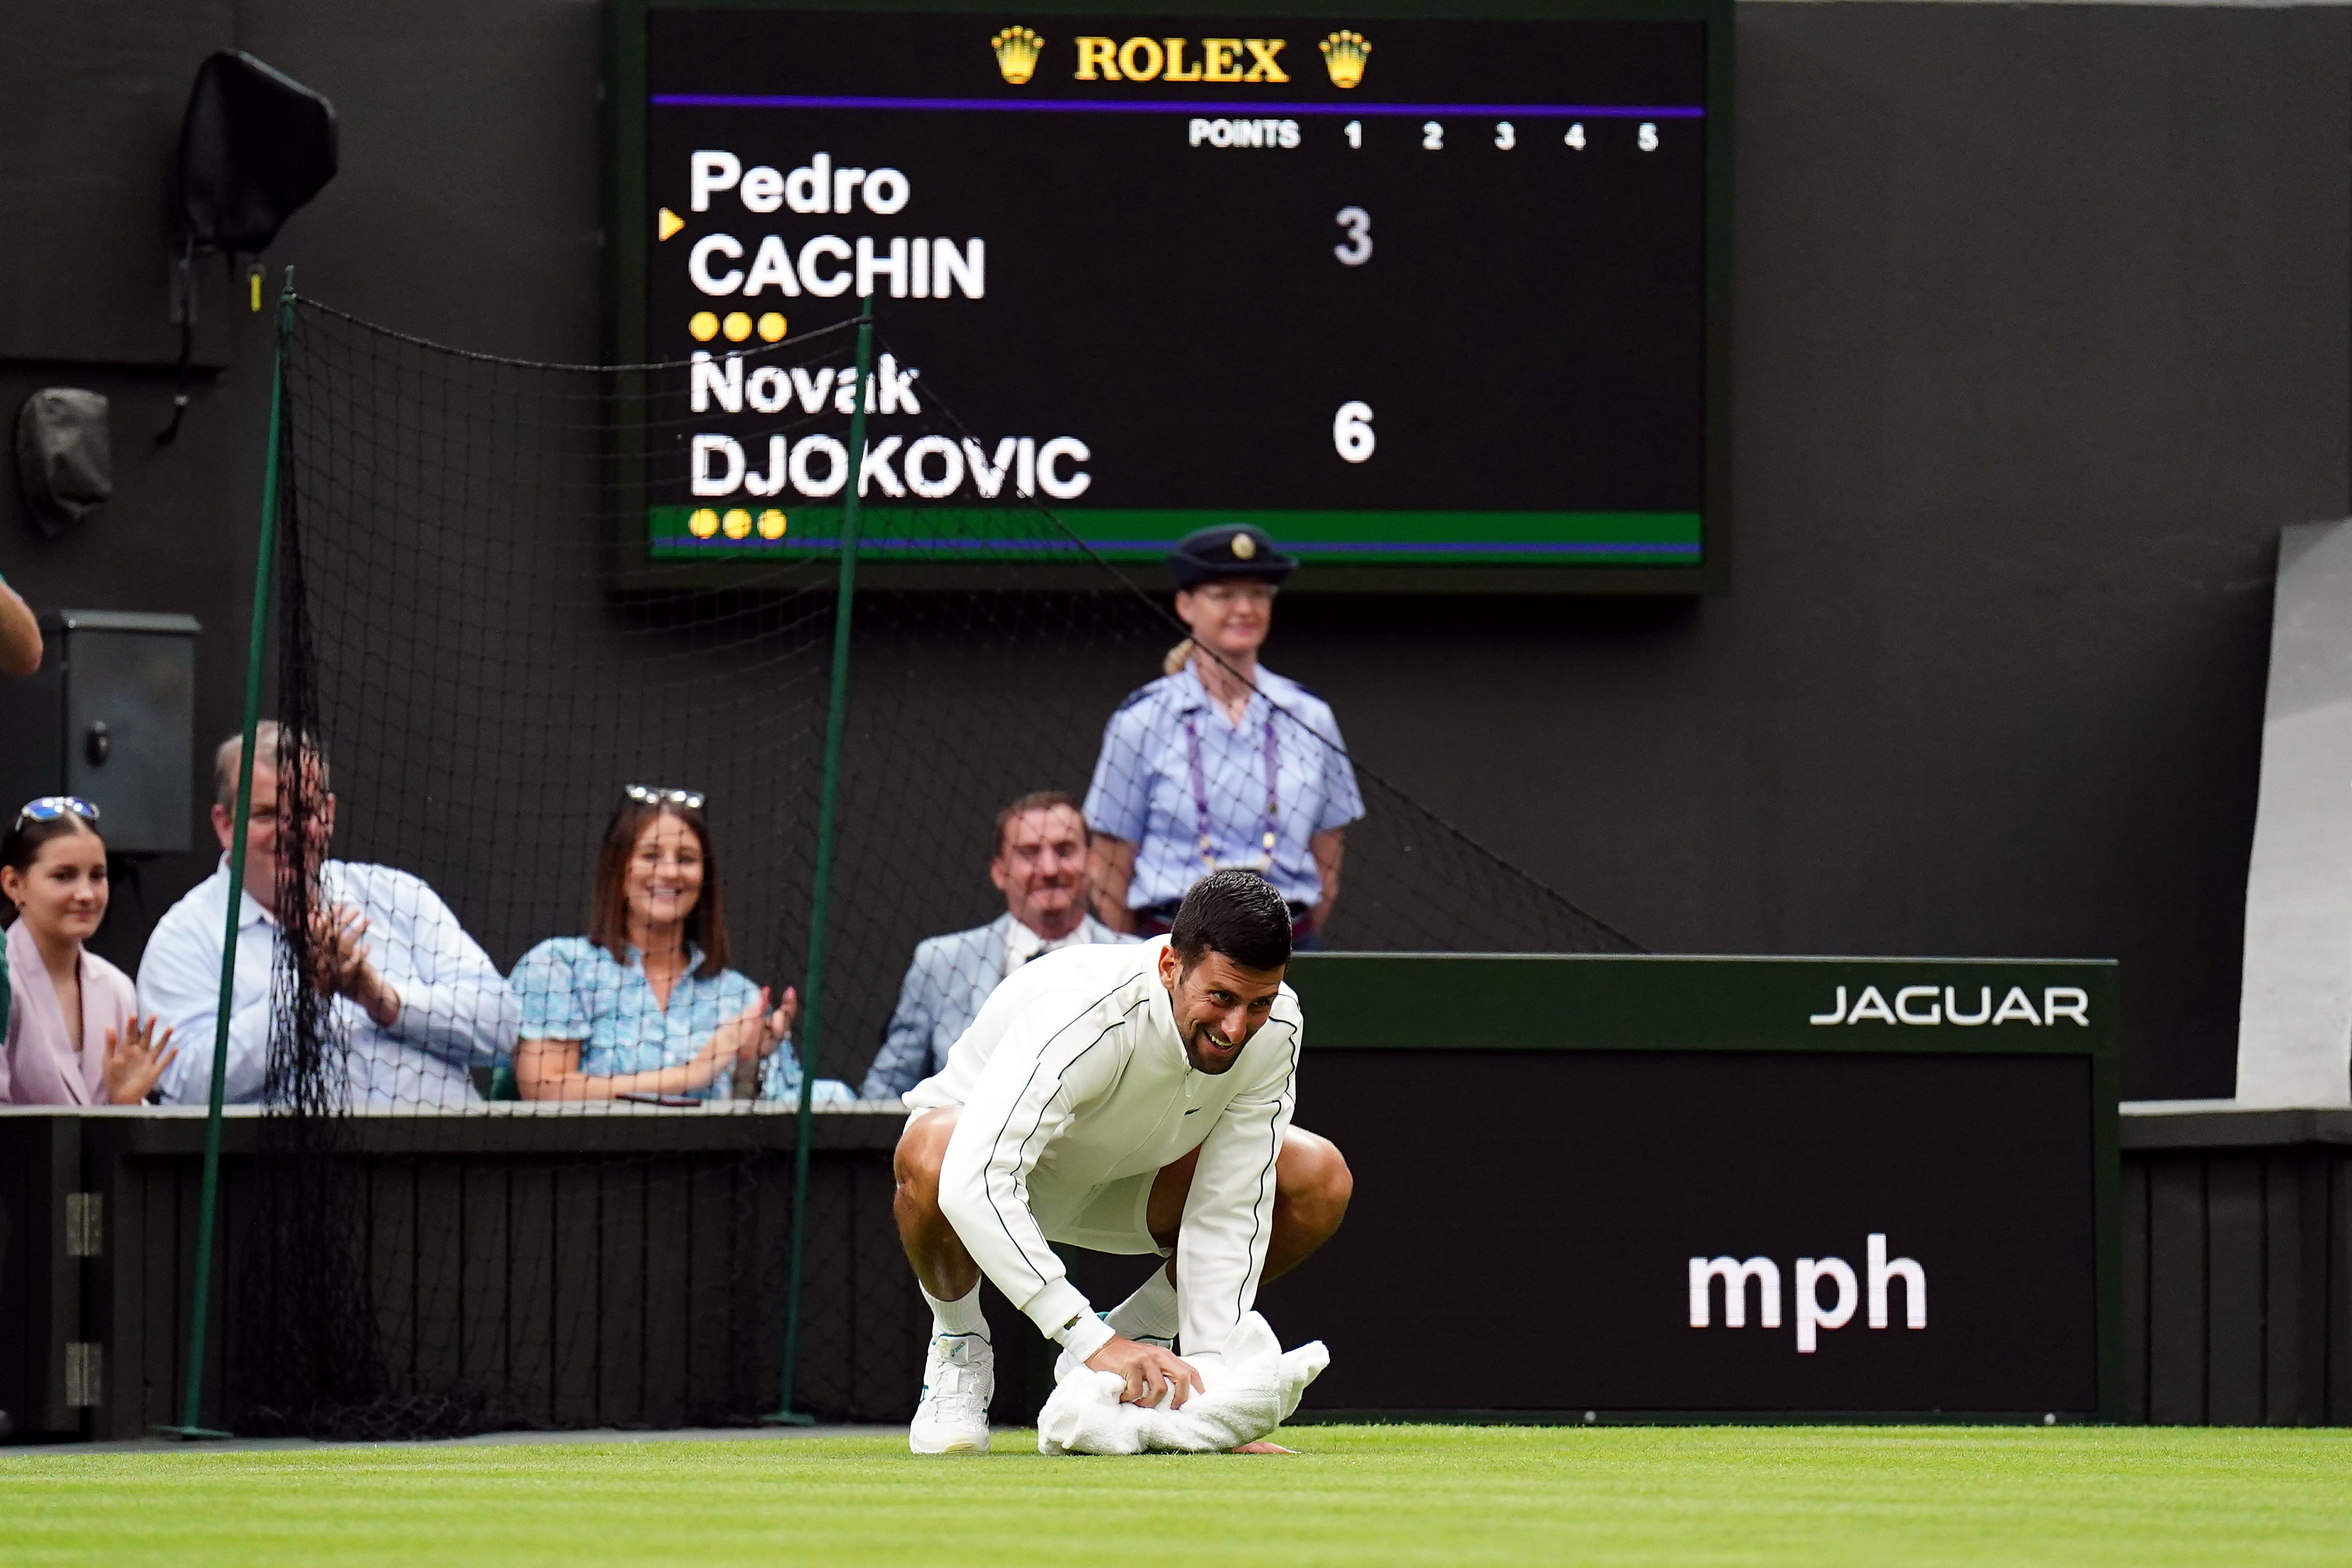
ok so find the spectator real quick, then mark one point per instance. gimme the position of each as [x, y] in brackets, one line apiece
[645, 1004]
[20, 654]
[20, 635]
[76, 1038]
[1039, 865]
[1221, 763]
[415, 998]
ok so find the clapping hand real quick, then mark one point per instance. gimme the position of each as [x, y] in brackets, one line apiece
[755, 1032]
[779, 1025]
[135, 1060]
[743, 1042]
[340, 967]
[338, 950]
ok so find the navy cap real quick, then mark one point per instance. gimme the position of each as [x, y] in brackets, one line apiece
[1225, 552]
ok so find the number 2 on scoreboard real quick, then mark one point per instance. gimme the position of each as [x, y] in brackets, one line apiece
[1433, 136]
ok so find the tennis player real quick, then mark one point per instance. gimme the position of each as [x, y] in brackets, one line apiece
[1128, 1099]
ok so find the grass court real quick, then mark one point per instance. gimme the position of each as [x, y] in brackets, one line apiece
[1914, 1495]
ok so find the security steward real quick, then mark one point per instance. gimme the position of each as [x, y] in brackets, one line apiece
[1221, 763]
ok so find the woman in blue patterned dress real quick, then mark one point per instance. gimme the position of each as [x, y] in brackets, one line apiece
[645, 1004]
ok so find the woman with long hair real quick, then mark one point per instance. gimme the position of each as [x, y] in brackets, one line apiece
[75, 1036]
[645, 1005]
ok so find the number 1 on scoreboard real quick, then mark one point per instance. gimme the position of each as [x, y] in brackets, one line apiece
[1355, 133]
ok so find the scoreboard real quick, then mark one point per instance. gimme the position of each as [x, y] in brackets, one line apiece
[1439, 303]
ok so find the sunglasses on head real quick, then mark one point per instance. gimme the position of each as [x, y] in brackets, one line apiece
[648, 795]
[49, 808]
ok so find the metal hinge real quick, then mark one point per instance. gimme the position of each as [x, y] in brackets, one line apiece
[85, 1224]
[85, 1373]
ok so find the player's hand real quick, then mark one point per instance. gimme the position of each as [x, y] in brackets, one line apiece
[1149, 1372]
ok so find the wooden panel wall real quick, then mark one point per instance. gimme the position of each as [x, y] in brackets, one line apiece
[532, 1286]
[2236, 1310]
[576, 1275]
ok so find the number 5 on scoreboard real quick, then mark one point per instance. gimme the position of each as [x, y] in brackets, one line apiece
[1351, 432]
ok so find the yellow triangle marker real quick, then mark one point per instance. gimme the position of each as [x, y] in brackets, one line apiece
[669, 224]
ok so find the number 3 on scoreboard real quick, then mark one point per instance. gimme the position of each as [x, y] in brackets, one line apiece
[1351, 432]
[1359, 248]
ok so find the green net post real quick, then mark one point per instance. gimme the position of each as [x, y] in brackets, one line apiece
[209, 1205]
[828, 818]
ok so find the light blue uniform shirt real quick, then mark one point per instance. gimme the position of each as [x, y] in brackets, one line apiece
[570, 988]
[1144, 792]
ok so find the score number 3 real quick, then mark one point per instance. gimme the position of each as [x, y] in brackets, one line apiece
[1359, 248]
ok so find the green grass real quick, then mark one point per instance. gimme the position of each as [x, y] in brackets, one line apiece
[1400, 1494]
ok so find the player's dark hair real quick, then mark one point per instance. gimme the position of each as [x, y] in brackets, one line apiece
[608, 910]
[1035, 801]
[1236, 912]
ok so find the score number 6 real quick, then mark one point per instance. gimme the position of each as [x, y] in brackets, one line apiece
[1351, 432]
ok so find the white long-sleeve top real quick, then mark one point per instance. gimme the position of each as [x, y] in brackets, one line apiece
[456, 1010]
[1072, 1076]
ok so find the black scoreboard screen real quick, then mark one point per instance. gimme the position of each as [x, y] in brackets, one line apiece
[1440, 302]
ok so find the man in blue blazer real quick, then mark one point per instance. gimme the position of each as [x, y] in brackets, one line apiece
[1039, 866]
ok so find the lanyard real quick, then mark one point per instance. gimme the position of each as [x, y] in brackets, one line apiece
[1201, 792]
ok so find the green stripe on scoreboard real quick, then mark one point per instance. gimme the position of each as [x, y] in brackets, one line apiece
[1361, 538]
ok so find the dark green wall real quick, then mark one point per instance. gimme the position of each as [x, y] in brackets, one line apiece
[2042, 335]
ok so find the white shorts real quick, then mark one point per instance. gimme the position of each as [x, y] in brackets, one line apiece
[1106, 1219]
[1112, 1217]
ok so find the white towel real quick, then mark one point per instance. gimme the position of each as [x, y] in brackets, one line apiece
[1253, 1387]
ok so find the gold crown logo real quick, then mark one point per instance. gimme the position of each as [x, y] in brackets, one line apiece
[1017, 49]
[1344, 56]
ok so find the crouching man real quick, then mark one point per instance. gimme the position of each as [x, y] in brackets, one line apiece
[1127, 1099]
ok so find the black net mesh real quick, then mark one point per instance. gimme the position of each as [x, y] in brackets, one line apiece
[454, 1223]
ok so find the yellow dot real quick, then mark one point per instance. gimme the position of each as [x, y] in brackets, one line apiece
[702, 522]
[771, 524]
[772, 326]
[737, 326]
[703, 326]
[737, 523]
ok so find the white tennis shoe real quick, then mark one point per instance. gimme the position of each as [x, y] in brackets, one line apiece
[958, 1381]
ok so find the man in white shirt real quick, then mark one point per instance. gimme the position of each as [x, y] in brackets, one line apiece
[1039, 866]
[415, 998]
[1129, 1100]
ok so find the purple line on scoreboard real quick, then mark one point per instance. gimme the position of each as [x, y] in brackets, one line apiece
[1245, 110]
[1431, 547]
